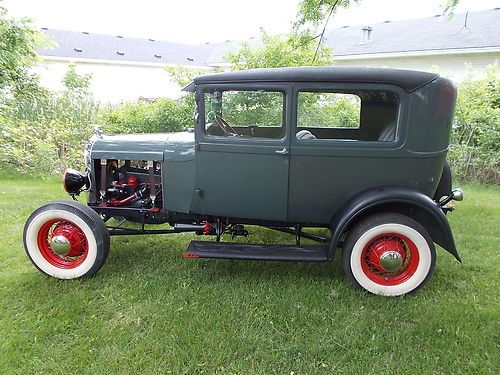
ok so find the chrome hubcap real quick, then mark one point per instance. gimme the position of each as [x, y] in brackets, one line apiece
[60, 245]
[391, 261]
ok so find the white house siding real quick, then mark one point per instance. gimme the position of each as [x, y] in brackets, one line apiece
[454, 66]
[114, 82]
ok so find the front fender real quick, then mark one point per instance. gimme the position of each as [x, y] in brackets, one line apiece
[394, 199]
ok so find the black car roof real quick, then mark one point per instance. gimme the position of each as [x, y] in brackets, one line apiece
[409, 80]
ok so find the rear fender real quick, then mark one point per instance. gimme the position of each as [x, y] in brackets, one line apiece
[393, 199]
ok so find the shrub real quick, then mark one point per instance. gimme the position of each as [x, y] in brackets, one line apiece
[475, 147]
[43, 133]
[162, 115]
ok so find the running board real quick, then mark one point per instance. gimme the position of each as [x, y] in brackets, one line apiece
[229, 250]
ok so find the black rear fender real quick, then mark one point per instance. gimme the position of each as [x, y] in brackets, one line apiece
[393, 199]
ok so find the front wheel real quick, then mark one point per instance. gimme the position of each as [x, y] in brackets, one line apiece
[388, 254]
[66, 240]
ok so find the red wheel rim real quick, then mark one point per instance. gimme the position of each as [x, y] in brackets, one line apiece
[394, 243]
[78, 244]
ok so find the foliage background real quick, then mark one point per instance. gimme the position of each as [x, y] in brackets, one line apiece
[475, 147]
[42, 132]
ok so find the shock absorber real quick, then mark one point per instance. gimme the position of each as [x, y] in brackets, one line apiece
[152, 186]
[102, 191]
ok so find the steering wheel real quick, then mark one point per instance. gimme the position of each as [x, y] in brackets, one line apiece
[225, 127]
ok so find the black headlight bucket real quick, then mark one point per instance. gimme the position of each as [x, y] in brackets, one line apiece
[74, 182]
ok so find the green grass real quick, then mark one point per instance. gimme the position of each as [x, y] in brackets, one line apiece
[149, 311]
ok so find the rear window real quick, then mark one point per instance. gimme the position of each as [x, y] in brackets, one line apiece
[364, 115]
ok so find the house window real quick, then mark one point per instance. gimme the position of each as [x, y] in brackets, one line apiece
[245, 114]
[356, 115]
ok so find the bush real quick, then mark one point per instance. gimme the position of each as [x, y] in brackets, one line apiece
[162, 115]
[475, 146]
[44, 133]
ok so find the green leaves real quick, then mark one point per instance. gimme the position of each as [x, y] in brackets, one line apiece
[44, 132]
[162, 115]
[475, 150]
[280, 51]
[449, 6]
[314, 12]
[18, 44]
[77, 83]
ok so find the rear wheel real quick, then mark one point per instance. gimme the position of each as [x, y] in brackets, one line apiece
[389, 254]
[66, 240]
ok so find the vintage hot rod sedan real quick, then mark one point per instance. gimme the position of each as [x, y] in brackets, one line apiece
[358, 151]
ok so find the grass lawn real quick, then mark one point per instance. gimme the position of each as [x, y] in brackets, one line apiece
[149, 311]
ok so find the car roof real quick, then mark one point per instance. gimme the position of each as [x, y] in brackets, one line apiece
[409, 80]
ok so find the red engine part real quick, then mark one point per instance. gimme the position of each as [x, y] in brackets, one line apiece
[132, 180]
[123, 201]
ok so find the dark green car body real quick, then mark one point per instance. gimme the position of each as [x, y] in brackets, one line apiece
[311, 182]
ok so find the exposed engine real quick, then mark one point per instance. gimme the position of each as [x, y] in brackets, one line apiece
[129, 183]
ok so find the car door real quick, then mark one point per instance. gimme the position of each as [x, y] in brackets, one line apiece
[243, 175]
[347, 137]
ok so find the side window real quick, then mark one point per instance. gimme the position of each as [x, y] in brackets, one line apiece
[354, 115]
[258, 113]
[328, 110]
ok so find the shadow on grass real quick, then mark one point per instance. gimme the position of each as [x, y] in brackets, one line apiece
[124, 261]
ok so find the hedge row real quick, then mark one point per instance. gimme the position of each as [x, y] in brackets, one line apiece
[42, 135]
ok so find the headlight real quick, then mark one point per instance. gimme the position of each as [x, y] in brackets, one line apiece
[74, 182]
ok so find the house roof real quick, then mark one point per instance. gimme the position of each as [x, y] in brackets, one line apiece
[471, 31]
[87, 45]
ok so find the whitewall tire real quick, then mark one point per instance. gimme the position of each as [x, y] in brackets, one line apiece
[66, 240]
[388, 254]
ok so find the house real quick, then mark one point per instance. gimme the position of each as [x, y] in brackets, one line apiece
[122, 68]
[129, 68]
[453, 47]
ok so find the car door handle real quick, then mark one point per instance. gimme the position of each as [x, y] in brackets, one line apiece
[284, 151]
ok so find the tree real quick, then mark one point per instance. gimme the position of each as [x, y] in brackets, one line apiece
[449, 6]
[315, 12]
[311, 14]
[78, 84]
[18, 44]
[182, 75]
[280, 51]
